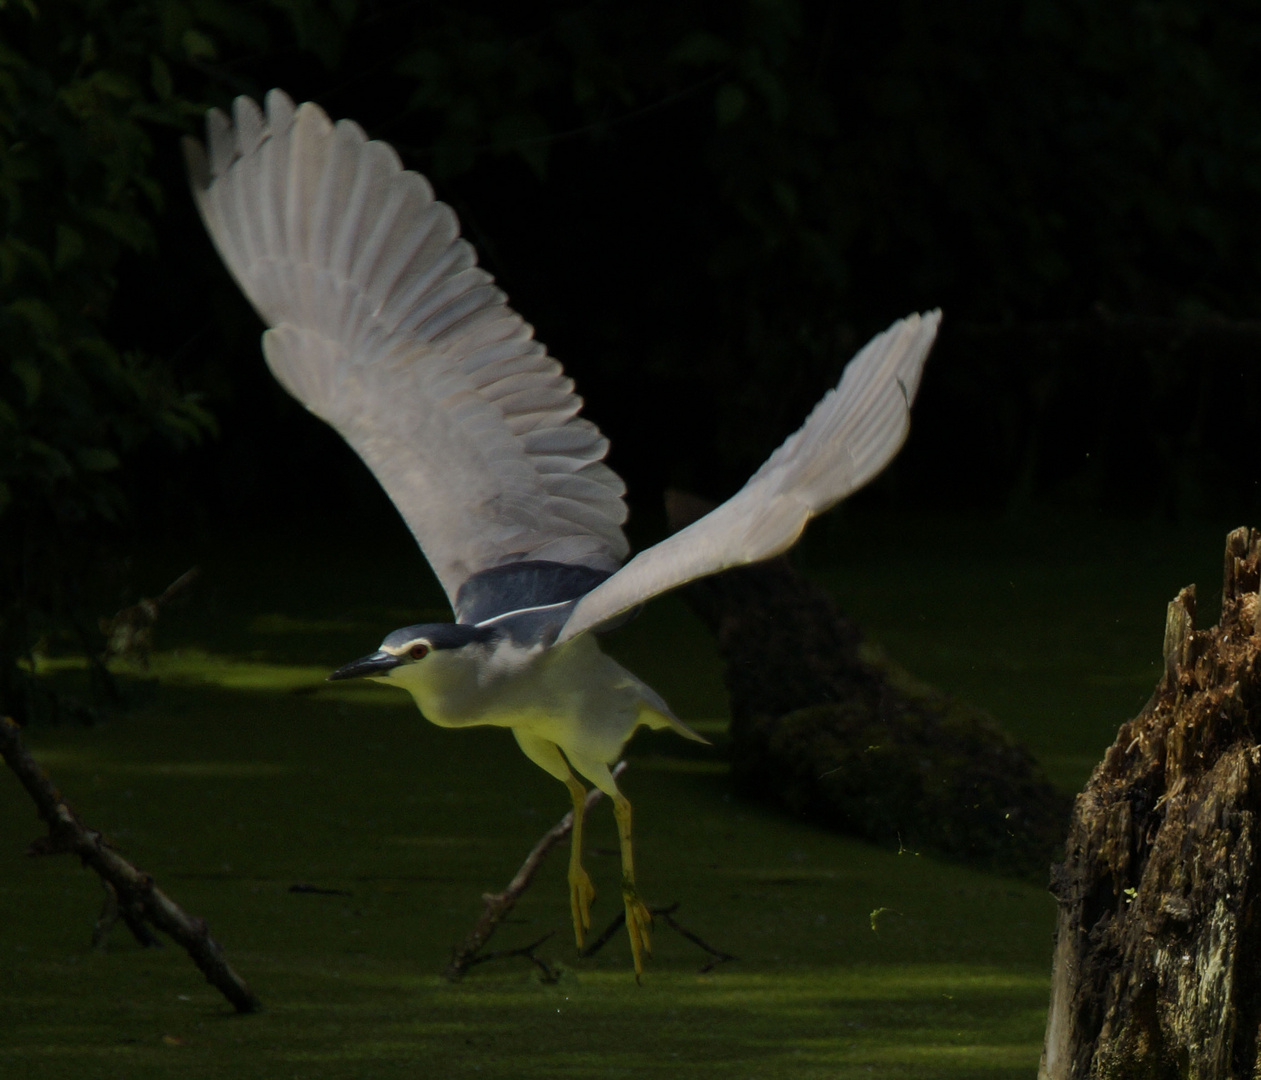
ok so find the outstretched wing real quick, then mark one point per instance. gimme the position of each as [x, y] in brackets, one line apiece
[850, 436]
[382, 324]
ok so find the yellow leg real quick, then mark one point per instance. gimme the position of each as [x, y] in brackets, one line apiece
[581, 891]
[638, 917]
[547, 756]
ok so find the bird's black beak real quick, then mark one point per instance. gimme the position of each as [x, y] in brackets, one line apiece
[378, 663]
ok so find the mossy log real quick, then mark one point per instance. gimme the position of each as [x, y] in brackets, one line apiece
[835, 732]
[1157, 964]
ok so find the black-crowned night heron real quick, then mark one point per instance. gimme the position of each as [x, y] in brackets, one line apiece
[382, 324]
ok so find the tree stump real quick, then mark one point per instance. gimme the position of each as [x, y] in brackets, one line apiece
[1157, 968]
[835, 733]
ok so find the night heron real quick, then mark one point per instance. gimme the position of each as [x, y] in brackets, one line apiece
[382, 324]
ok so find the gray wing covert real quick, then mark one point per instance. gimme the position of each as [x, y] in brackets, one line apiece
[382, 324]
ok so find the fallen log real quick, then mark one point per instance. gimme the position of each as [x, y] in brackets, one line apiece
[838, 734]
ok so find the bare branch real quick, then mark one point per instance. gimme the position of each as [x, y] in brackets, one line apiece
[111, 912]
[719, 957]
[618, 921]
[498, 905]
[129, 632]
[666, 915]
[136, 896]
[550, 974]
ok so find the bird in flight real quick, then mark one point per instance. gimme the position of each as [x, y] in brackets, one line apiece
[382, 324]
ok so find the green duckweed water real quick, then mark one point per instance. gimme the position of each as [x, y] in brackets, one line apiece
[241, 773]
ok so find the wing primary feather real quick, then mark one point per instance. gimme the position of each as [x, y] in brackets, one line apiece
[221, 140]
[351, 212]
[250, 127]
[281, 111]
[436, 257]
[381, 322]
[848, 437]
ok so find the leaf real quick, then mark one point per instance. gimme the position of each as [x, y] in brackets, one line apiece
[112, 83]
[29, 376]
[15, 253]
[729, 104]
[160, 78]
[197, 46]
[55, 463]
[97, 459]
[701, 49]
[41, 317]
[785, 196]
[69, 247]
[131, 228]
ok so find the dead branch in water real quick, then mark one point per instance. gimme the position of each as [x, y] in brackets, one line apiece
[130, 893]
[498, 905]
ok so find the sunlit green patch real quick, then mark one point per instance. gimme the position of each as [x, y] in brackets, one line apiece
[198, 667]
[944, 1057]
[195, 666]
[241, 774]
[406, 826]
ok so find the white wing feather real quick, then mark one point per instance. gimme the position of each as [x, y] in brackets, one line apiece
[383, 325]
[849, 437]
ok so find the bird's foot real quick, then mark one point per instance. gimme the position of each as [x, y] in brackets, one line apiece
[581, 893]
[638, 926]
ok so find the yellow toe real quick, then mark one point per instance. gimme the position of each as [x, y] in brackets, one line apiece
[638, 926]
[581, 893]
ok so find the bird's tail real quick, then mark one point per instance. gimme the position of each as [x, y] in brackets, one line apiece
[657, 715]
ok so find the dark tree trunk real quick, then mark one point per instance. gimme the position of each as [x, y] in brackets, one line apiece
[831, 731]
[1156, 972]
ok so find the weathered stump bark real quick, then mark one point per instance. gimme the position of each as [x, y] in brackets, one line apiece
[832, 732]
[1157, 969]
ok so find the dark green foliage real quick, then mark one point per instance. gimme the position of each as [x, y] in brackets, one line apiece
[83, 86]
[703, 208]
[706, 209]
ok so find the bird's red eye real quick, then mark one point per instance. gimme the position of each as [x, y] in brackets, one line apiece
[419, 652]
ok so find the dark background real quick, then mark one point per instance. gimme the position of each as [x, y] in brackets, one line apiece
[704, 210]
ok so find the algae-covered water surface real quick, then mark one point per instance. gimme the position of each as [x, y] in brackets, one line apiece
[238, 773]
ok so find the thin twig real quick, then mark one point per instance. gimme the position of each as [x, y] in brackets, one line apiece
[666, 914]
[719, 957]
[135, 891]
[619, 920]
[498, 905]
[129, 632]
[550, 974]
[111, 912]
